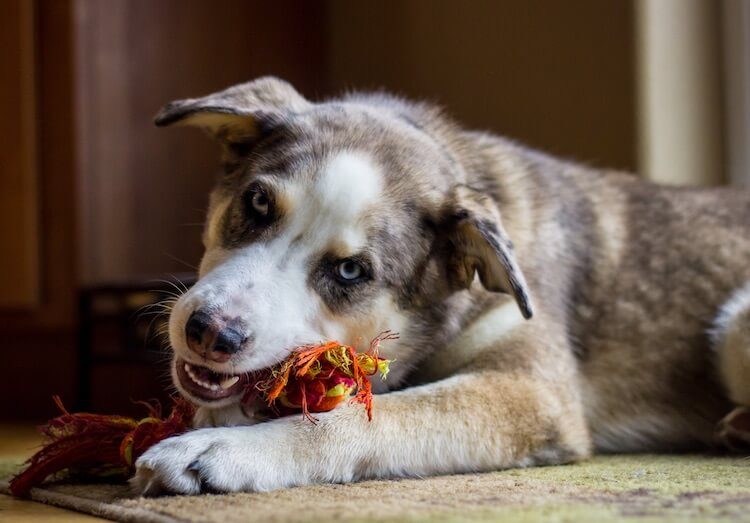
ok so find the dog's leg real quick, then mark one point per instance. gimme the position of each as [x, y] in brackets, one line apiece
[732, 343]
[732, 337]
[470, 422]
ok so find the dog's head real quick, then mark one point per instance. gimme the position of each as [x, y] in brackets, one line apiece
[335, 220]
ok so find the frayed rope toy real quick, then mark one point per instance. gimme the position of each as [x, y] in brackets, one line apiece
[314, 378]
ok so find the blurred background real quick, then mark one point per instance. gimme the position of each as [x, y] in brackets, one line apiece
[100, 212]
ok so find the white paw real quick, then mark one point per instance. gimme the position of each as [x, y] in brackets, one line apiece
[257, 458]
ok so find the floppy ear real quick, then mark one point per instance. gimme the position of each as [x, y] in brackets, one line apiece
[236, 116]
[479, 244]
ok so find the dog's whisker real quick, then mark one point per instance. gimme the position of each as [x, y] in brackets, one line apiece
[179, 290]
[183, 262]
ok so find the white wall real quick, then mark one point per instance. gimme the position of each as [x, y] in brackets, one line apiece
[681, 133]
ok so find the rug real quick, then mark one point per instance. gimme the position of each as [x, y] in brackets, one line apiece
[643, 488]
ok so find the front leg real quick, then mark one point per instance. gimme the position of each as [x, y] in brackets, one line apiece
[471, 422]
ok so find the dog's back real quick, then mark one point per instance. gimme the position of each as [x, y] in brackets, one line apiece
[638, 273]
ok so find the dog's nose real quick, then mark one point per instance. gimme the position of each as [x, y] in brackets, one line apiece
[228, 341]
[212, 339]
[196, 326]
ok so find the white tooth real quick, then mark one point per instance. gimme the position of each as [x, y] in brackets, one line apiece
[225, 384]
[228, 382]
[197, 381]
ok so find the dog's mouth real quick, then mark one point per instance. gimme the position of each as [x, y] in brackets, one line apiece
[208, 385]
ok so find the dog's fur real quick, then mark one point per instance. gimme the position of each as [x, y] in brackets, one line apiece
[637, 329]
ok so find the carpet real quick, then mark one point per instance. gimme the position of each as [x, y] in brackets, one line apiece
[644, 488]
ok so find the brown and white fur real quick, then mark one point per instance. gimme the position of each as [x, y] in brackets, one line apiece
[546, 310]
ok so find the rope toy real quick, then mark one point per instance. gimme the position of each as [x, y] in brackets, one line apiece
[314, 378]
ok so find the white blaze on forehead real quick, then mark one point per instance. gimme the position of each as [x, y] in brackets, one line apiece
[350, 184]
[332, 209]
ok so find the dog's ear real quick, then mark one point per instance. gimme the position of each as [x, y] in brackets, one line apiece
[478, 244]
[236, 116]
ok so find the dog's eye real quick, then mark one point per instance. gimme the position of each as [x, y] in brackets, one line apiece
[260, 203]
[349, 271]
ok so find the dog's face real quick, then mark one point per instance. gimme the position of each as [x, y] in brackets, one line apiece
[331, 221]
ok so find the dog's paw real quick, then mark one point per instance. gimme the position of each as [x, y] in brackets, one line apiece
[733, 432]
[236, 459]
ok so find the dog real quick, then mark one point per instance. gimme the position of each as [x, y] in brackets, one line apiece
[546, 310]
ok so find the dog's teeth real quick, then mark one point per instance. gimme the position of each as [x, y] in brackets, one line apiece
[229, 382]
[195, 379]
[225, 384]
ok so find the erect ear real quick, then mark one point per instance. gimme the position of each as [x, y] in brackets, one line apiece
[479, 244]
[236, 116]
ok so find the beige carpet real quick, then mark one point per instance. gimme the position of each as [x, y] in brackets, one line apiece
[641, 488]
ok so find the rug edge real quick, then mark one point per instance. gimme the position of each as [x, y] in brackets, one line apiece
[90, 506]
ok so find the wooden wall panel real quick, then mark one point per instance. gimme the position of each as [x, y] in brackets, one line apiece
[48, 38]
[38, 347]
[144, 189]
[19, 227]
[556, 74]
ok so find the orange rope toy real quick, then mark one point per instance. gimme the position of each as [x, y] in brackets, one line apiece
[314, 378]
[317, 378]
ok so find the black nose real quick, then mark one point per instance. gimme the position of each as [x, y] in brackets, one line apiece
[213, 338]
[228, 341]
[198, 323]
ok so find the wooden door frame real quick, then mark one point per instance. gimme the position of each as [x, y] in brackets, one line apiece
[54, 160]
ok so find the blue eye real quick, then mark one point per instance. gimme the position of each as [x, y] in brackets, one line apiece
[349, 270]
[260, 203]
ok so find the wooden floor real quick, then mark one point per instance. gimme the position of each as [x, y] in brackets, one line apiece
[20, 442]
